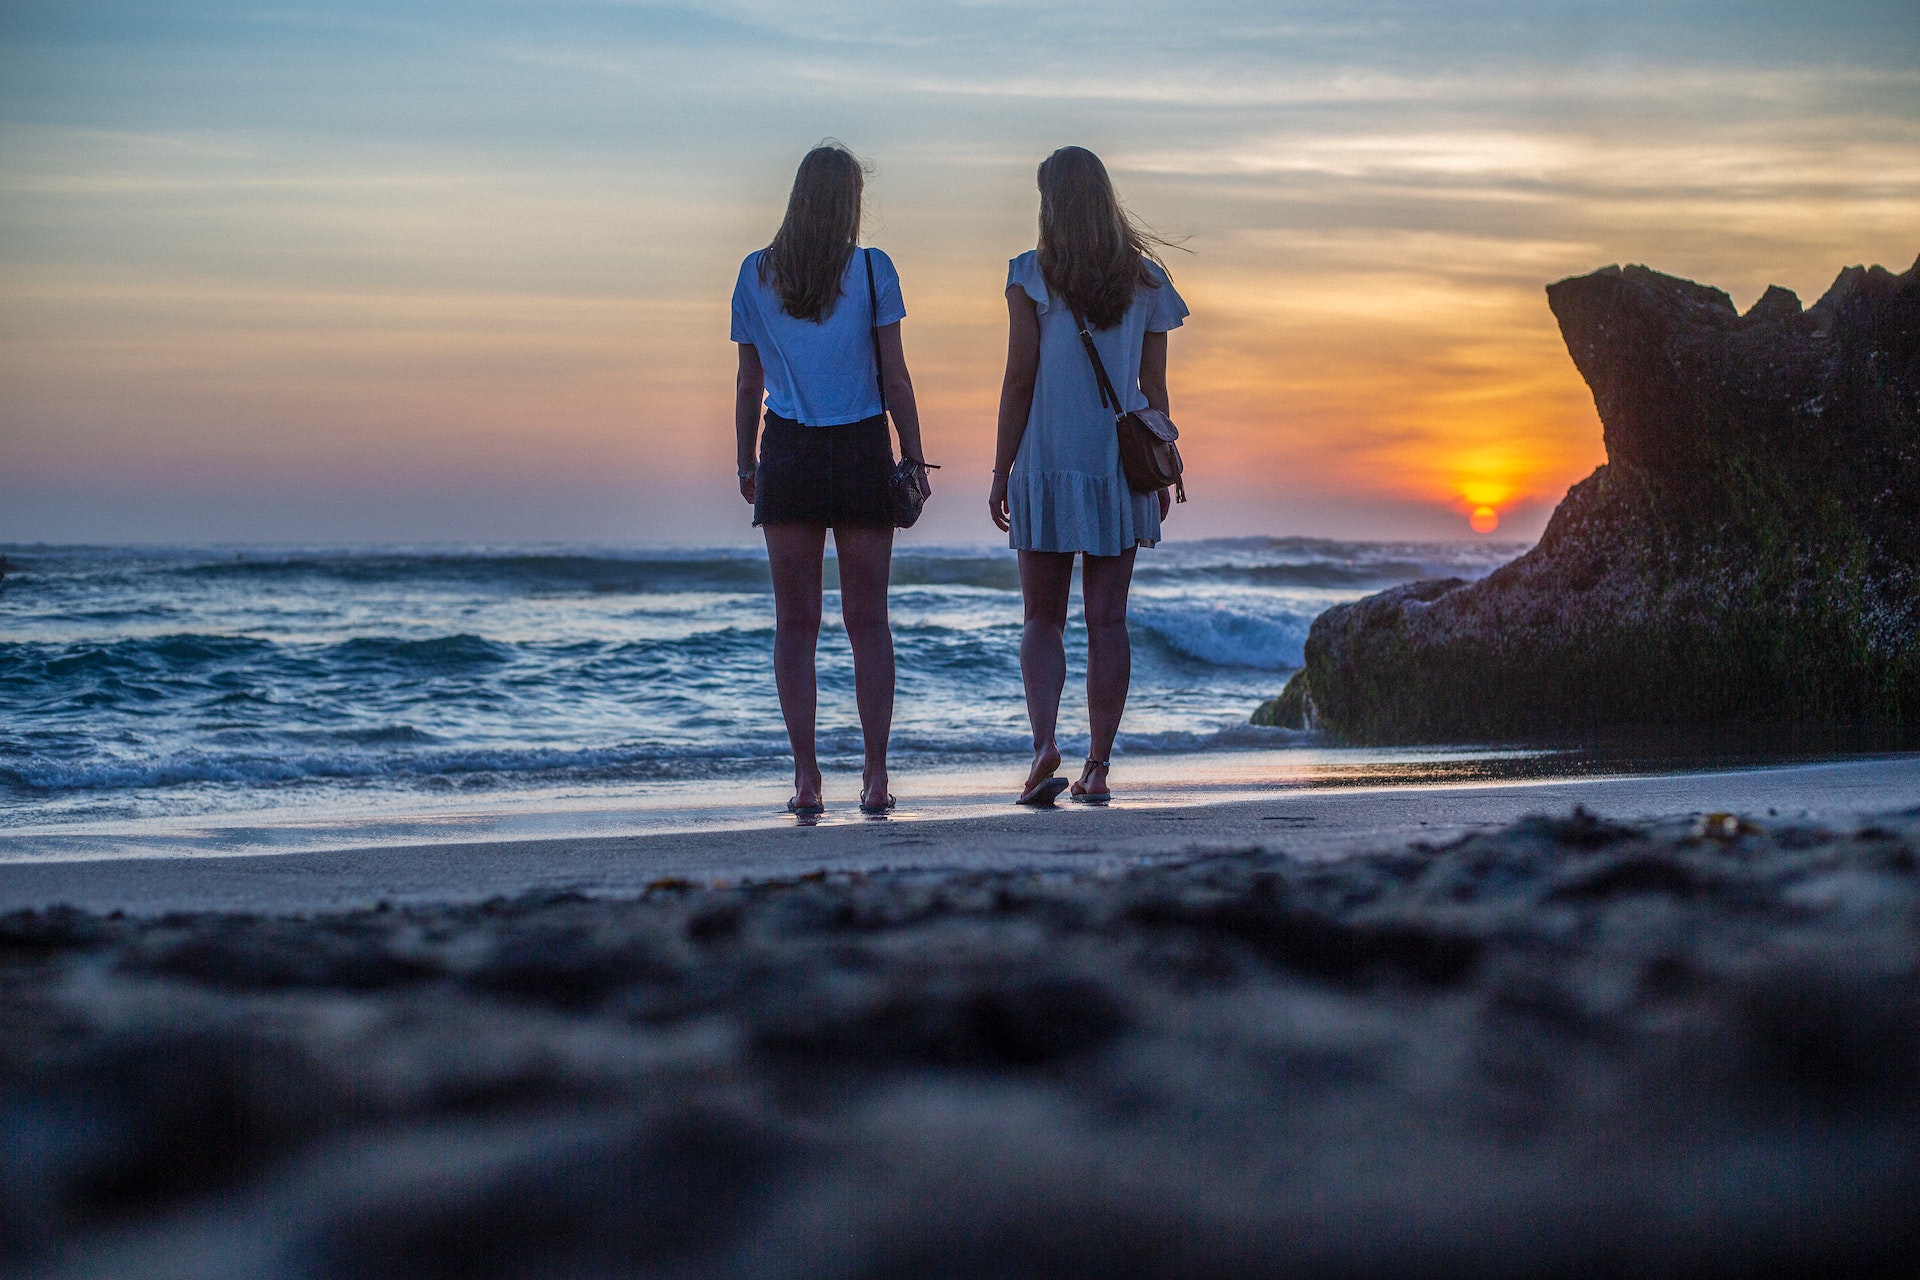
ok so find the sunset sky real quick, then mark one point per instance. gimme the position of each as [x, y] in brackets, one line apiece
[459, 271]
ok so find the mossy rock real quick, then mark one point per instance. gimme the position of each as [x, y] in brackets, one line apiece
[1293, 709]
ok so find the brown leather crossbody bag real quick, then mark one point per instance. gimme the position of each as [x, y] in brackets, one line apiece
[1148, 453]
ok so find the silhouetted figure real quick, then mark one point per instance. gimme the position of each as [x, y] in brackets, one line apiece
[806, 310]
[1059, 489]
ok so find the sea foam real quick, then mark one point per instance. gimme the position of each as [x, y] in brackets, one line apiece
[198, 678]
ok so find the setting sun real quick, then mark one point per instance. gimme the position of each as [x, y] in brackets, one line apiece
[1484, 494]
[1484, 520]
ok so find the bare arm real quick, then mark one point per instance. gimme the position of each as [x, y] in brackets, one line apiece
[1153, 385]
[1016, 395]
[749, 388]
[1153, 371]
[901, 405]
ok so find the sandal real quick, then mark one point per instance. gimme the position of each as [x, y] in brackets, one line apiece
[1080, 794]
[805, 810]
[875, 810]
[1041, 794]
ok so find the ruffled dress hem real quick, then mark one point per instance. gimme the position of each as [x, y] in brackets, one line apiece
[1066, 511]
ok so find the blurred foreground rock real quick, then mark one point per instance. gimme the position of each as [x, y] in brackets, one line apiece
[1750, 552]
[1567, 1048]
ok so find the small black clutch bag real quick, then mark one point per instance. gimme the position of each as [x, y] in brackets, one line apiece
[903, 487]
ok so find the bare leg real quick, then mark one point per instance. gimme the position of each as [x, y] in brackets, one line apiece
[866, 561]
[794, 551]
[1046, 578]
[1104, 581]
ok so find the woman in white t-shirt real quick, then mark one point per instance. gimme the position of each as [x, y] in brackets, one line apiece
[804, 323]
[1059, 489]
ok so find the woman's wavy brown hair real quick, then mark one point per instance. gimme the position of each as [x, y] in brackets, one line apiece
[808, 257]
[1092, 253]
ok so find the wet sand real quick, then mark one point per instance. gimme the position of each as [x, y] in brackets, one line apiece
[957, 831]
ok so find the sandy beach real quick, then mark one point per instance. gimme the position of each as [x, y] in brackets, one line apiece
[961, 830]
[1360, 1032]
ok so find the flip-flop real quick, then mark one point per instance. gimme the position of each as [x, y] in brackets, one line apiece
[877, 809]
[805, 810]
[1042, 793]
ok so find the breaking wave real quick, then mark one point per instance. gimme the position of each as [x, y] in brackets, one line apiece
[202, 672]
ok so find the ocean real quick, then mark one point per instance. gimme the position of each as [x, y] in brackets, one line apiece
[199, 685]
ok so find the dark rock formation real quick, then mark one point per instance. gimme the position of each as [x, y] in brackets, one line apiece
[1749, 553]
[1569, 1048]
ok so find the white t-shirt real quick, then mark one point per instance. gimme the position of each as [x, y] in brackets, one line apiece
[819, 372]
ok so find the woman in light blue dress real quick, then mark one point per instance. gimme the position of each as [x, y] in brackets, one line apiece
[1058, 486]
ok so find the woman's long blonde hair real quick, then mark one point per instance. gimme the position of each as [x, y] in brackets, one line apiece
[808, 257]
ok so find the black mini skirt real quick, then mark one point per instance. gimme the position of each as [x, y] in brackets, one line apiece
[836, 476]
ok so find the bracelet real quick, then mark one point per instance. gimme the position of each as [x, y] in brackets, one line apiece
[999, 475]
[749, 474]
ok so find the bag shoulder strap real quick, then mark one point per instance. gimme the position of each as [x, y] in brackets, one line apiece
[1109, 398]
[873, 329]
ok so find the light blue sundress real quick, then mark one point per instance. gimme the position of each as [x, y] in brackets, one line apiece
[1067, 491]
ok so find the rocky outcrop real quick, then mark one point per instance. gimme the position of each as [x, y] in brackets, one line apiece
[1750, 552]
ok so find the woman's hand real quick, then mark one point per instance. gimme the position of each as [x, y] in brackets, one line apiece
[1166, 502]
[997, 504]
[747, 487]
